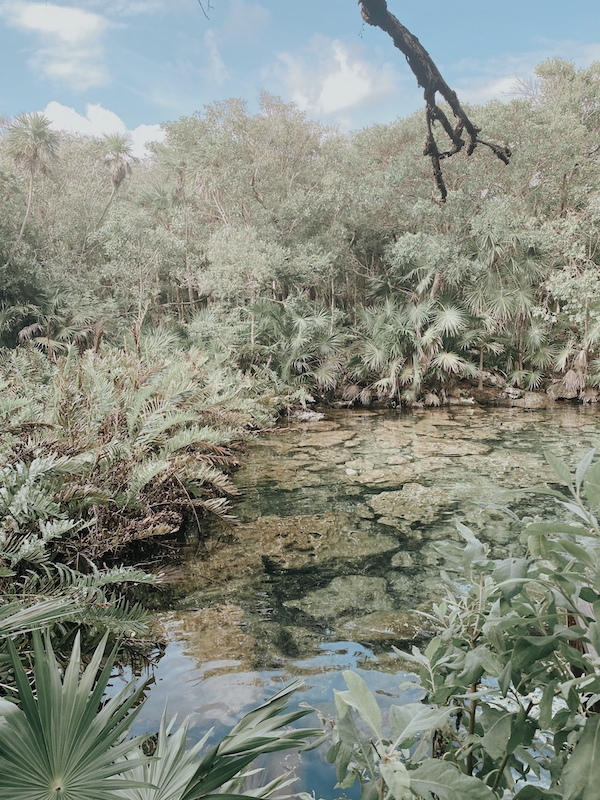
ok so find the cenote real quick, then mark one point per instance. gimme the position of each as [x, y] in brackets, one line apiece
[335, 552]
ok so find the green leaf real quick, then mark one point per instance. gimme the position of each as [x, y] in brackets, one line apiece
[5, 572]
[395, 774]
[477, 662]
[64, 734]
[556, 527]
[505, 677]
[360, 698]
[575, 550]
[545, 717]
[406, 721]
[591, 486]
[343, 759]
[580, 779]
[509, 574]
[583, 467]
[521, 733]
[446, 782]
[559, 468]
[537, 793]
[589, 595]
[355, 740]
[529, 649]
[497, 725]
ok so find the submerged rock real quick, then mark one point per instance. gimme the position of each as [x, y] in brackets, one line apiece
[345, 595]
[382, 626]
[413, 503]
[449, 447]
[306, 415]
[403, 559]
[214, 634]
[326, 438]
[295, 542]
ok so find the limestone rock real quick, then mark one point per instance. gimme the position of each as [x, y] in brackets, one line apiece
[381, 626]
[589, 395]
[558, 391]
[345, 595]
[306, 415]
[413, 503]
[403, 559]
[296, 542]
[533, 400]
[326, 439]
[449, 447]
[513, 393]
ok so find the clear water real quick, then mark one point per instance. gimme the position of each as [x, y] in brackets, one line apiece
[335, 551]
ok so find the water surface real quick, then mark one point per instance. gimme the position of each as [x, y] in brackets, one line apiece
[337, 548]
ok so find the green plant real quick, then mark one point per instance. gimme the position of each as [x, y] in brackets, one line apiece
[510, 681]
[65, 740]
[117, 447]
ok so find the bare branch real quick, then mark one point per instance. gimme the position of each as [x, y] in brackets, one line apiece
[207, 9]
[429, 78]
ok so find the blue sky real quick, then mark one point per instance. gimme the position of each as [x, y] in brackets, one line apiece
[97, 66]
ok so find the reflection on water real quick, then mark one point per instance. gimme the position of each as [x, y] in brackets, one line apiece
[336, 549]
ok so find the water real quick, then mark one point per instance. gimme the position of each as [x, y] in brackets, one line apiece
[335, 551]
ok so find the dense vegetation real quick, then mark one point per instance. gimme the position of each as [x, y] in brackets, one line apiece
[157, 313]
[326, 258]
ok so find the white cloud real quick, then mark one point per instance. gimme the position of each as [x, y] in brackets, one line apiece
[481, 81]
[215, 70]
[329, 78]
[143, 134]
[98, 121]
[130, 8]
[71, 49]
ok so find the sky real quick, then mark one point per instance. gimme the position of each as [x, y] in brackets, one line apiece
[106, 66]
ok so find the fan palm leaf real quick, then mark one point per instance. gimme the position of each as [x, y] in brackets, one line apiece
[64, 743]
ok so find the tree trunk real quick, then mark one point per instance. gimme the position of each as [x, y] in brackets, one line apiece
[481, 367]
[27, 211]
[107, 206]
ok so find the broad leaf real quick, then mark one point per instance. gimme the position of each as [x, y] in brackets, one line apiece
[591, 486]
[395, 774]
[580, 778]
[360, 698]
[447, 783]
[559, 468]
[537, 793]
[583, 467]
[529, 649]
[497, 725]
[65, 735]
[406, 721]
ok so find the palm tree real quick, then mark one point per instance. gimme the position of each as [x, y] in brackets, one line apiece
[32, 146]
[55, 327]
[119, 159]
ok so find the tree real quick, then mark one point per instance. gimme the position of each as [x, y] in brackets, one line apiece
[32, 146]
[119, 159]
[429, 78]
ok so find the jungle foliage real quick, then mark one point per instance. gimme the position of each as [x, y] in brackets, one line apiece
[323, 257]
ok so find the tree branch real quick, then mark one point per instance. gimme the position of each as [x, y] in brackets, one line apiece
[429, 78]
[205, 10]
